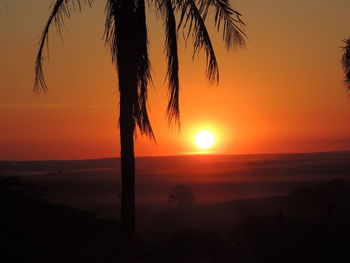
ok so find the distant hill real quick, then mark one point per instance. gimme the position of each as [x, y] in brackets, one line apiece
[329, 160]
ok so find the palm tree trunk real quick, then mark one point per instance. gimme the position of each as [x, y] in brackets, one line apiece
[127, 171]
[127, 76]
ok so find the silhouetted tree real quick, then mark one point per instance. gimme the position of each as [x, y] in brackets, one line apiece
[15, 184]
[182, 196]
[346, 63]
[126, 35]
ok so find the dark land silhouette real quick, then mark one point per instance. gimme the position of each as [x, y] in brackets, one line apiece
[290, 208]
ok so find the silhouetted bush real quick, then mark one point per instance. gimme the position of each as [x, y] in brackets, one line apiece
[35, 230]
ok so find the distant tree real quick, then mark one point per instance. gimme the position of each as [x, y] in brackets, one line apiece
[15, 184]
[345, 60]
[126, 35]
[182, 196]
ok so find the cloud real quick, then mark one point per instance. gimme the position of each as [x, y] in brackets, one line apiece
[51, 105]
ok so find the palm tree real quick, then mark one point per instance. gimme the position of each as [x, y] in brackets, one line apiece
[126, 36]
[345, 60]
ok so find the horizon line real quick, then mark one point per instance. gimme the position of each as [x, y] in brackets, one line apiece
[181, 155]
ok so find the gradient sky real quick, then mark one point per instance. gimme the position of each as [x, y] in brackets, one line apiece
[283, 93]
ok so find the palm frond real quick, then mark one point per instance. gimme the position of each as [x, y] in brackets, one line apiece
[229, 19]
[192, 19]
[143, 71]
[345, 60]
[110, 34]
[59, 9]
[173, 110]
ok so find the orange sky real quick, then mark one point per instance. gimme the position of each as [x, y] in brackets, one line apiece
[283, 93]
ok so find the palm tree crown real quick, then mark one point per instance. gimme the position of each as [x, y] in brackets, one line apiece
[191, 14]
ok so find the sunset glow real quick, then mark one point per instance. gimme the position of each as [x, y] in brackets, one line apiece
[78, 118]
[204, 139]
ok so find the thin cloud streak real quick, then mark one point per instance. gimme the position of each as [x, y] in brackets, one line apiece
[53, 105]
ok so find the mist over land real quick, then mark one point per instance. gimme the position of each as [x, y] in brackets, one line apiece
[95, 184]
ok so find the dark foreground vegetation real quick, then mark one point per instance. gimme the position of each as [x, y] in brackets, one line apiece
[311, 224]
[35, 230]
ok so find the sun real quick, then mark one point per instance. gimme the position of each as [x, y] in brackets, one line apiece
[204, 139]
